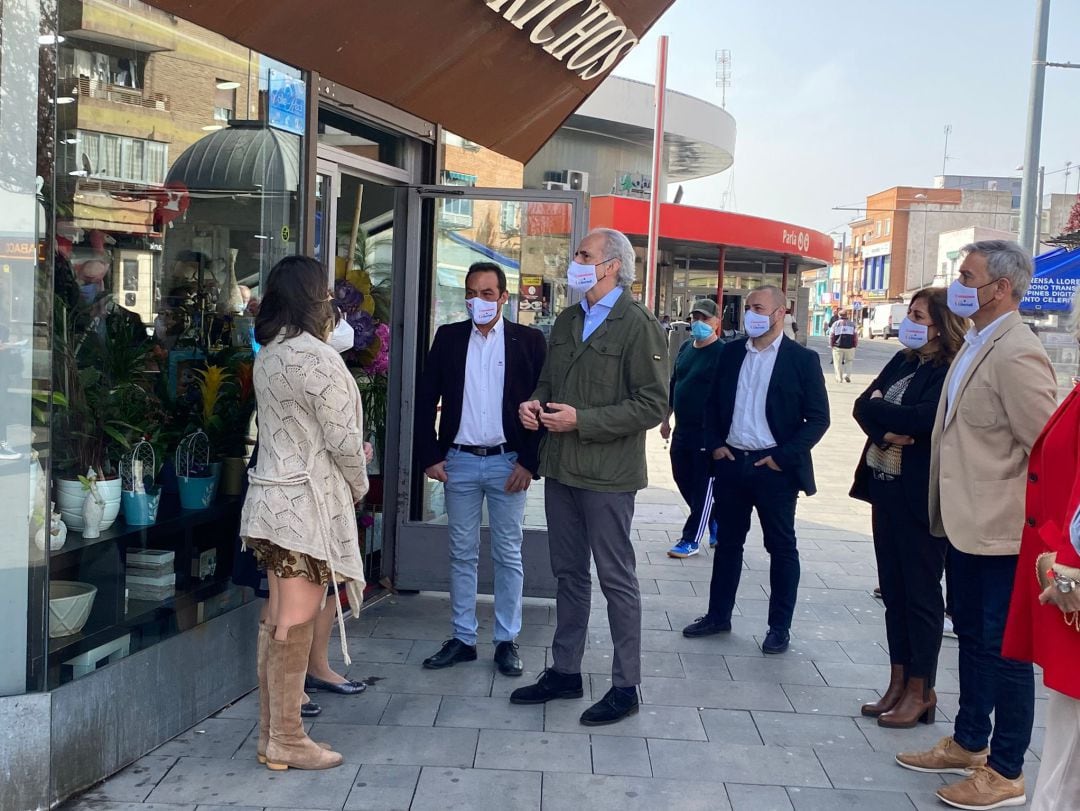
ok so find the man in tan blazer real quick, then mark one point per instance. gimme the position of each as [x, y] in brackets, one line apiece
[999, 394]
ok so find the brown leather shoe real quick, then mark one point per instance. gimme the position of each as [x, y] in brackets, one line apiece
[983, 790]
[947, 757]
[918, 704]
[892, 694]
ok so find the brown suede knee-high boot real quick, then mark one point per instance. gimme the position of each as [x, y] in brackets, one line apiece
[289, 745]
[919, 703]
[892, 695]
[266, 632]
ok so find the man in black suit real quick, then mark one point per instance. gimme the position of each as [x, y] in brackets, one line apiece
[481, 369]
[767, 409]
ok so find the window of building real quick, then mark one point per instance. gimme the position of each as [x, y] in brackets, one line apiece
[457, 212]
[888, 226]
[224, 100]
[510, 216]
[118, 157]
[877, 228]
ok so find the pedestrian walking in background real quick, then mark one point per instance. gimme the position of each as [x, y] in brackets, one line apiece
[604, 384]
[481, 370]
[790, 326]
[1044, 616]
[767, 409]
[999, 394]
[897, 412]
[688, 395]
[299, 513]
[843, 338]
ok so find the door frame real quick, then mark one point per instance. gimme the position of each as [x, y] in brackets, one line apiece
[418, 549]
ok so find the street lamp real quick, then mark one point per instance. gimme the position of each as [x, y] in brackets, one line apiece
[1037, 236]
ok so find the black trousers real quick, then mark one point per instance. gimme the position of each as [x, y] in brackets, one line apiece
[740, 489]
[910, 563]
[692, 470]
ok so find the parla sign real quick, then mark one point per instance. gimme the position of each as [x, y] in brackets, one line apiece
[584, 34]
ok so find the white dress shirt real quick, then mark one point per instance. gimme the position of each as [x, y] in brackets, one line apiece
[485, 372]
[973, 342]
[749, 428]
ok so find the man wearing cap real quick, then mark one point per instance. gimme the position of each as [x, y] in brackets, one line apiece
[691, 381]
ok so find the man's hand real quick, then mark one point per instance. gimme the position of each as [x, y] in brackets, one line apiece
[529, 414]
[898, 439]
[723, 453]
[437, 472]
[1067, 602]
[665, 429]
[768, 462]
[520, 479]
[561, 419]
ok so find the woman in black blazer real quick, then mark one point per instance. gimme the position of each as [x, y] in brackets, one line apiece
[897, 415]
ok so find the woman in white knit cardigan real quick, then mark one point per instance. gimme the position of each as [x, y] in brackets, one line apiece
[299, 515]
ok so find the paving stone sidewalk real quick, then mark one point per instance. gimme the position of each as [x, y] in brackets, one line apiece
[721, 727]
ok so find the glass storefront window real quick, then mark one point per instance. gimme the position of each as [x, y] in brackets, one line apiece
[177, 186]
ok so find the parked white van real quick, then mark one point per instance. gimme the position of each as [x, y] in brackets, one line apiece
[885, 320]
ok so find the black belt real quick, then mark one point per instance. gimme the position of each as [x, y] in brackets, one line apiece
[478, 450]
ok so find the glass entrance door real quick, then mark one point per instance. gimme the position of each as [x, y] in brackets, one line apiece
[531, 235]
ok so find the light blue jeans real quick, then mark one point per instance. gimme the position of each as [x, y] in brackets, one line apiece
[471, 479]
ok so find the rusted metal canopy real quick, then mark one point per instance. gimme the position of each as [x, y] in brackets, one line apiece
[464, 64]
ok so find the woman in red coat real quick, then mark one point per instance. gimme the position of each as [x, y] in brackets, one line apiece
[1044, 616]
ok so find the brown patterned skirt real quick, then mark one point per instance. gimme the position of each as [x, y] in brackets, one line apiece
[287, 563]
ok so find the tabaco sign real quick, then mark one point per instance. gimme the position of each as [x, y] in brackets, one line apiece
[585, 33]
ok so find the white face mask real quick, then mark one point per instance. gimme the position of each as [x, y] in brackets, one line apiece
[582, 278]
[964, 300]
[912, 335]
[481, 311]
[756, 324]
[343, 336]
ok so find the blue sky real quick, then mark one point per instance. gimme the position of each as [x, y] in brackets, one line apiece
[836, 99]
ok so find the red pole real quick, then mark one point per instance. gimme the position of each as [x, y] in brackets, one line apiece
[657, 195]
[720, 281]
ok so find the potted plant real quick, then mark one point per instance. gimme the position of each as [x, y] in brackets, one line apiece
[140, 496]
[196, 476]
[233, 425]
[99, 384]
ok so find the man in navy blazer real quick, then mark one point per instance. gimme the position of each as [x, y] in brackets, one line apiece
[480, 370]
[767, 409]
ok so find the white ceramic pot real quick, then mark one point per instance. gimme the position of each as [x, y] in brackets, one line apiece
[69, 606]
[70, 497]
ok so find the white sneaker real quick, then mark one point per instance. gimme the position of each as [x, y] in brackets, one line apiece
[948, 629]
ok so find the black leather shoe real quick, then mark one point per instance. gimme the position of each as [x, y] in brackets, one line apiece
[346, 688]
[310, 710]
[452, 652]
[615, 706]
[776, 641]
[507, 659]
[551, 684]
[706, 626]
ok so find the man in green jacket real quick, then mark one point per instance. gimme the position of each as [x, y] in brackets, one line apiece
[603, 385]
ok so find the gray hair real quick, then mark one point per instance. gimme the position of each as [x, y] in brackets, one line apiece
[617, 246]
[1005, 260]
[779, 299]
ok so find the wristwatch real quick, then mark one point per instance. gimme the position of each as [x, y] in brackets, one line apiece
[1064, 584]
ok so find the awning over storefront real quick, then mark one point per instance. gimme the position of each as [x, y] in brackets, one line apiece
[707, 226]
[503, 73]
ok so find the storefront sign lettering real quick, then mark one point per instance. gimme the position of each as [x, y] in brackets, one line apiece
[1049, 295]
[798, 239]
[585, 33]
[288, 103]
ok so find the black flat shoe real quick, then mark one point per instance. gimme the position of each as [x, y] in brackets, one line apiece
[346, 688]
[619, 703]
[452, 652]
[507, 659]
[706, 626]
[776, 641]
[310, 710]
[551, 684]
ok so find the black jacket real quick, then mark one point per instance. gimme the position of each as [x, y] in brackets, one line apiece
[443, 378]
[913, 416]
[796, 406]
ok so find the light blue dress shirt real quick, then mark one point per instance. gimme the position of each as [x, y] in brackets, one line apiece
[595, 315]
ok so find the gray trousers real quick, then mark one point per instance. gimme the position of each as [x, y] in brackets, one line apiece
[581, 522]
